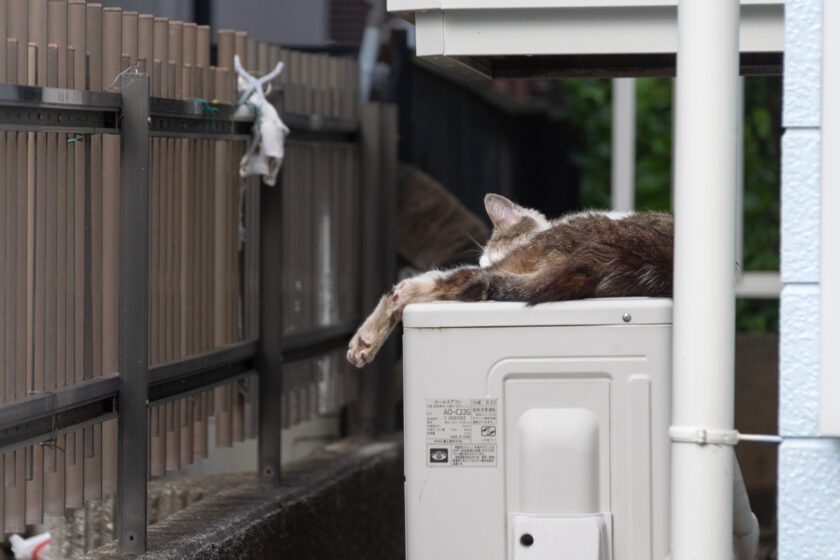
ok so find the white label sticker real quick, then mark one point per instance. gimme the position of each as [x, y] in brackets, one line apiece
[461, 432]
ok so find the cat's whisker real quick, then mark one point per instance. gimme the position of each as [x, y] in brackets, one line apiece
[474, 240]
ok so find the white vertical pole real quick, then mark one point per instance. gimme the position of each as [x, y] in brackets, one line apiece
[704, 275]
[623, 143]
[739, 179]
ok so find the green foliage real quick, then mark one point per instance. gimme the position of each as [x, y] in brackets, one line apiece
[585, 103]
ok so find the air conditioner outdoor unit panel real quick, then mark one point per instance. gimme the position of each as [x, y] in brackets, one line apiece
[462, 355]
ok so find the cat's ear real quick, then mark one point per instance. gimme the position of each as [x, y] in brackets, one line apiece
[503, 213]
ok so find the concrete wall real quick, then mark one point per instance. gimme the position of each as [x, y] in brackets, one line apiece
[295, 22]
[179, 10]
[344, 502]
[291, 22]
[809, 465]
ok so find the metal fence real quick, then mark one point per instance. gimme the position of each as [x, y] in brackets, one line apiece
[128, 243]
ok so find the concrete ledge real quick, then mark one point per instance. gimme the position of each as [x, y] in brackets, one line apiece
[345, 501]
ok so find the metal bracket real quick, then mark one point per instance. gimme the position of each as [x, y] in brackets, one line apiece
[703, 436]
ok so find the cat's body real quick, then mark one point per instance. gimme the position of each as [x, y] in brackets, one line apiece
[529, 258]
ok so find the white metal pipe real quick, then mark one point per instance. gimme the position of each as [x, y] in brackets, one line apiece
[704, 275]
[739, 179]
[623, 143]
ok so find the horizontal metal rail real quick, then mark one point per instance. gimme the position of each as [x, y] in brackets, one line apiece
[45, 109]
[42, 416]
[311, 343]
[48, 109]
[315, 128]
[194, 118]
[179, 378]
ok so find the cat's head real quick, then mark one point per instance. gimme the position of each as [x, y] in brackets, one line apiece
[513, 226]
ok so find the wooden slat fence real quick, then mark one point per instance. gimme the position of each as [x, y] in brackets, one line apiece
[59, 242]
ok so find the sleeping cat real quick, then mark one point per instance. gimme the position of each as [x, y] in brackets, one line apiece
[532, 259]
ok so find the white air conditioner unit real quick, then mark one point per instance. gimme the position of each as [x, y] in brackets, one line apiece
[537, 433]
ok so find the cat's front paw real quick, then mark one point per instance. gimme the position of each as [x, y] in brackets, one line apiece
[360, 352]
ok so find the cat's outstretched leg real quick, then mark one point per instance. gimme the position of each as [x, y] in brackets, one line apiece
[430, 286]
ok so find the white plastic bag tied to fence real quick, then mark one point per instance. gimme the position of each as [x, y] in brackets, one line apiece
[265, 154]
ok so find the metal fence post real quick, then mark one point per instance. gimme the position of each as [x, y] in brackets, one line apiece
[270, 361]
[270, 356]
[133, 319]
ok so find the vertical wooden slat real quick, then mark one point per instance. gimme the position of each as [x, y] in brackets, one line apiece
[145, 44]
[188, 57]
[3, 37]
[43, 316]
[262, 57]
[188, 256]
[284, 79]
[176, 46]
[15, 487]
[53, 499]
[165, 218]
[161, 52]
[56, 482]
[172, 415]
[15, 492]
[91, 438]
[112, 42]
[94, 47]
[37, 29]
[111, 61]
[158, 424]
[237, 390]
[202, 54]
[188, 407]
[173, 451]
[57, 17]
[185, 425]
[158, 443]
[206, 248]
[92, 443]
[200, 322]
[57, 34]
[16, 30]
[250, 60]
[54, 337]
[221, 272]
[226, 48]
[77, 41]
[181, 429]
[273, 59]
[176, 56]
[200, 423]
[54, 454]
[221, 254]
[129, 47]
[293, 97]
[306, 82]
